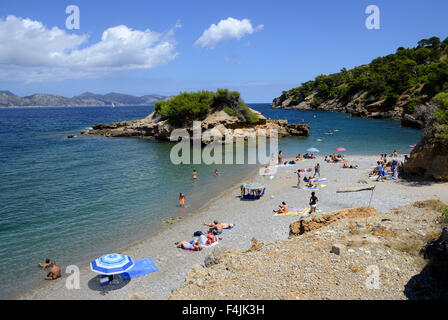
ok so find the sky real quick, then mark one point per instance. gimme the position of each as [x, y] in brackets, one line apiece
[259, 48]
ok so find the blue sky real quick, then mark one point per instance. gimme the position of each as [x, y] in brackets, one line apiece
[286, 43]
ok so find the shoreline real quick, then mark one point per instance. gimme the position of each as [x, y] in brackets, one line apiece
[138, 242]
[252, 219]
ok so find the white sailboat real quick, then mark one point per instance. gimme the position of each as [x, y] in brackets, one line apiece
[113, 105]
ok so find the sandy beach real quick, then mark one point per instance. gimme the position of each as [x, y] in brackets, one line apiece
[252, 219]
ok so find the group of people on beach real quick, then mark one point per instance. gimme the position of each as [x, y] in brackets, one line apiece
[204, 240]
[284, 208]
[383, 164]
[333, 158]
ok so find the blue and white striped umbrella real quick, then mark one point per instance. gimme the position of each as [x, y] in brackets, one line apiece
[112, 263]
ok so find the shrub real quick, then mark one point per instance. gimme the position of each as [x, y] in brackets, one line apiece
[188, 106]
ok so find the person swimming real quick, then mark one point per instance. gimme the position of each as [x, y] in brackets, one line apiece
[195, 174]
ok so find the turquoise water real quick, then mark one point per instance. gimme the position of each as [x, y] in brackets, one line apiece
[74, 199]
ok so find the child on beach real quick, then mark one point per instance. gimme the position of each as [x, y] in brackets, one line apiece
[181, 200]
[313, 202]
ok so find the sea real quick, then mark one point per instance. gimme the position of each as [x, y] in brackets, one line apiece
[75, 199]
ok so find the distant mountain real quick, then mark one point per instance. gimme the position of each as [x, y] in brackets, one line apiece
[8, 99]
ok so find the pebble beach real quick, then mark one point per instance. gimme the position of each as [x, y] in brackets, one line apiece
[251, 219]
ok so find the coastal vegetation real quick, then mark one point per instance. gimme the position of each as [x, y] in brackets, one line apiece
[399, 86]
[441, 116]
[188, 106]
[420, 72]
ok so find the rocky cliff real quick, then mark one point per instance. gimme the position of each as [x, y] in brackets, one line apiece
[397, 86]
[429, 158]
[356, 107]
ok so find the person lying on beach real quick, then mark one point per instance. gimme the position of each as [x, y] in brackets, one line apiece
[299, 157]
[195, 246]
[215, 228]
[310, 182]
[346, 165]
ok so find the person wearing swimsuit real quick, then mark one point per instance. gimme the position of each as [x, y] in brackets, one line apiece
[317, 171]
[195, 174]
[181, 200]
[313, 202]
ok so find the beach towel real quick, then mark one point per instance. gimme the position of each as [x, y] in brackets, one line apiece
[302, 213]
[283, 165]
[140, 268]
[317, 187]
[320, 180]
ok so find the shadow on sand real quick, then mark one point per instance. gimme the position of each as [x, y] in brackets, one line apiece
[416, 181]
[117, 284]
[426, 286]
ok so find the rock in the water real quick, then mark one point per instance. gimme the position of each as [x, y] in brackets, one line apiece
[229, 127]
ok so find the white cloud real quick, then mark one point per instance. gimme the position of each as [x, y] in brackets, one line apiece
[30, 51]
[226, 30]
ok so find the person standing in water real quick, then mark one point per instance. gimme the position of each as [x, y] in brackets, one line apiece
[195, 175]
[181, 200]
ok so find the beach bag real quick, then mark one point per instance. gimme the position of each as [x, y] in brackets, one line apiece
[198, 233]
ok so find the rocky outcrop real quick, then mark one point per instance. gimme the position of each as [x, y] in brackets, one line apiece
[437, 252]
[333, 262]
[429, 158]
[157, 127]
[356, 107]
[310, 224]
